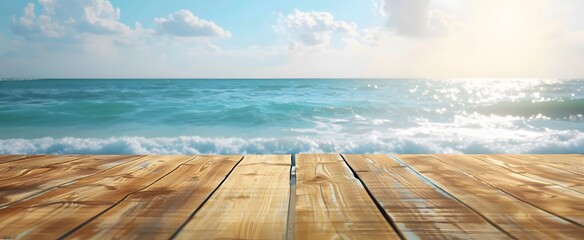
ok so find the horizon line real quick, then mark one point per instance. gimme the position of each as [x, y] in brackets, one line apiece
[278, 78]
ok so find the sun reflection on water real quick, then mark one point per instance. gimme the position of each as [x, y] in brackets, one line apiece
[483, 91]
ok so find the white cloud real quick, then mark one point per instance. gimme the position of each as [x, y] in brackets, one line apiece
[184, 24]
[373, 36]
[101, 17]
[408, 17]
[495, 38]
[312, 28]
[67, 20]
[485, 38]
[439, 22]
[28, 19]
[415, 17]
[94, 26]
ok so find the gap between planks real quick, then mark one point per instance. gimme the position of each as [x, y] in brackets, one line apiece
[205, 201]
[562, 198]
[431, 183]
[291, 220]
[333, 204]
[290, 224]
[130, 217]
[517, 217]
[377, 203]
[40, 189]
[121, 200]
[90, 196]
[256, 211]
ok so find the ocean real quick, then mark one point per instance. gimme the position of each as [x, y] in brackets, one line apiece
[272, 116]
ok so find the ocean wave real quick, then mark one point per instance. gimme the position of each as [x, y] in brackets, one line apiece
[257, 116]
[17, 79]
[567, 109]
[413, 141]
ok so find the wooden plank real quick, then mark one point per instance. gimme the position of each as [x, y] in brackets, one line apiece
[419, 209]
[558, 200]
[566, 159]
[9, 169]
[525, 166]
[519, 219]
[568, 162]
[159, 210]
[33, 182]
[252, 203]
[11, 158]
[36, 164]
[54, 213]
[573, 162]
[332, 204]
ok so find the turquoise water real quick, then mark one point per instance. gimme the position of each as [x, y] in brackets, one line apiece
[165, 116]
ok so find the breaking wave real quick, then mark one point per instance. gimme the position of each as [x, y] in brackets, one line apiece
[566, 109]
[165, 116]
[569, 141]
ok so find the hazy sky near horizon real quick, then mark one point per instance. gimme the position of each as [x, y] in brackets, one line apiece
[292, 38]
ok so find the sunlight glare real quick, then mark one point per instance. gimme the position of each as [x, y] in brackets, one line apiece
[510, 22]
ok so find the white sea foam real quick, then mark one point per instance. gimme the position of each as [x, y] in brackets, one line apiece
[401, 141]
[17, 79]
[244, 117]
[466, 133]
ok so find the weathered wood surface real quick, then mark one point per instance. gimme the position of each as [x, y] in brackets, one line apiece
[332, 204]
[55, 213]
[159, 210]
[33, 165]
[558, 200]
[518, 218]
[252, 203]
[33, 182]
[227, 197]
[419, 209]
[522, 164]
[568, 162]
[11, 158]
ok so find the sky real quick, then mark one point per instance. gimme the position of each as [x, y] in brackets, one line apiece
[291, 39]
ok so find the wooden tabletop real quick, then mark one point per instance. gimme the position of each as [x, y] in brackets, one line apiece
[303, 196]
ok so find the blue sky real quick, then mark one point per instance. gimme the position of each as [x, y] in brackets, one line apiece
[350, 38]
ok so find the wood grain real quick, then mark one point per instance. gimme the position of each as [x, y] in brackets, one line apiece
[332, 204]
[252, 203]
[34, 165]
[519, 219]
[419, 209]
[424, 196]
[54, 213]
[12, 158]
[553, 198]
[525, 166]
[568, 162]
[33, 182]
[159, 210]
